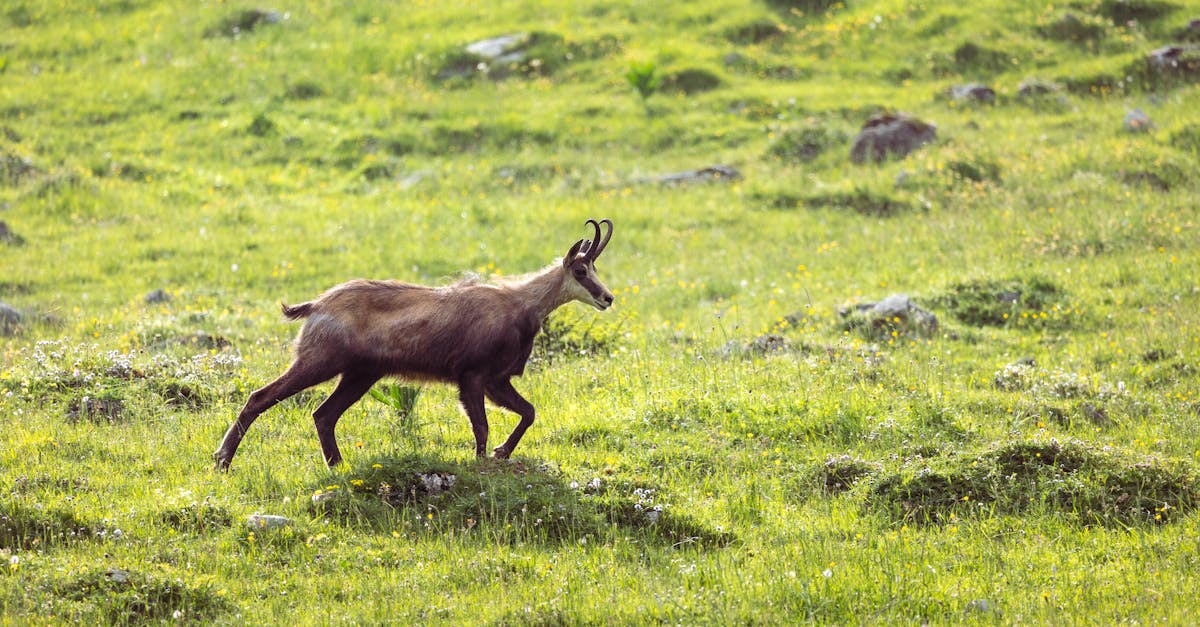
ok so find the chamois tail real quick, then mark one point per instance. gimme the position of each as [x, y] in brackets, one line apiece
[297, 311]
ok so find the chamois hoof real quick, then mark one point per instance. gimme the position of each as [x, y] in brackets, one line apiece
[220, 462]
[501, 453]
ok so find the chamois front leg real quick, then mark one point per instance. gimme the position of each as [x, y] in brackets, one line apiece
[505, 395]
[470, 394]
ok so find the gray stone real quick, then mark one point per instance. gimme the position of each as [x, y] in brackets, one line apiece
[1034, 87]
[1136, 121]
[6, 234]
[1167, 57]
[321, 497]
[268, 521]
[437, 482]
[10, 319]
[890, 135]
[766, 344]
[708, 174]
[896, 313]
[982, 606]
[973, 92]
[158, 296]
[502, 49]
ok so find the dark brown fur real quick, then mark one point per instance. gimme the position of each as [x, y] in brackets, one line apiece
[474, 335]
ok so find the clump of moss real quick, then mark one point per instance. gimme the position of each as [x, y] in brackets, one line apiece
[754, 31]
[107, 407]
[196, 518]
[1122, 12]
[123, 597]
[839, 474]
[691, 81]
[863, 201]
[1075, 27]
[1004, 302]
[507, 500]
[1089, 485]
[24, 527]
[806, 143]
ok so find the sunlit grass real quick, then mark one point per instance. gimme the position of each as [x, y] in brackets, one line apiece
[720, 446]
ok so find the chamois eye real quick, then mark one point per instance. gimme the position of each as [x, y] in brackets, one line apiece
[580, 272]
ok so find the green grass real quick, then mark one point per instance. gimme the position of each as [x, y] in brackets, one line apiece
[1034, 461]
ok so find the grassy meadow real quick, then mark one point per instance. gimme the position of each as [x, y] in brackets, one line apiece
[733, 442]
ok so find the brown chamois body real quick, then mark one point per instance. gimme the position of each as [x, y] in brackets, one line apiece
[471, 334]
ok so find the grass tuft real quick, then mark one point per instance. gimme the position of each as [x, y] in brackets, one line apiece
[116, 596]
[1076, 480]
[26, 527]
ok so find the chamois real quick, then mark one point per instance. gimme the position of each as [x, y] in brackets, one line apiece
[472, 334]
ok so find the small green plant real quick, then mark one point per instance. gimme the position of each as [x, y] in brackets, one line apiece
[403, 401]
[644, 79]
[401, 398]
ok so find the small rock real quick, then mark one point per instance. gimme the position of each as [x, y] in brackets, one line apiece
[1094, 413]
[116, 575]
[769, 343]
[158, 296]
[982, 606]
[890, 135]
[502, 49]
[204, 340]
[896, 313]
[268, 521]
[7, 236]
[15, 168]
[766, 344]
[412, 179]
[973, 92]
[321, 497]
[1034, 87]
[1009, 297]
[10, 319]
[702, 175]
[1166, 57]
[1136, 121]
[437, 482]
[244, 22]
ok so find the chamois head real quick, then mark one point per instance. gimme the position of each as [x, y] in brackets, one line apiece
[582, 283]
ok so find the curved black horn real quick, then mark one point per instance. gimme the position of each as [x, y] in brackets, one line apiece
[597, 244]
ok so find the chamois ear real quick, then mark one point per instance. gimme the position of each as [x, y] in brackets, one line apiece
[572, 253]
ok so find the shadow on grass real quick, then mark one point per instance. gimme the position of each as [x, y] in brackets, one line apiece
[511, 501]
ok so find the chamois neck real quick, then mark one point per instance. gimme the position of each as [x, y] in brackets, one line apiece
[543, 290]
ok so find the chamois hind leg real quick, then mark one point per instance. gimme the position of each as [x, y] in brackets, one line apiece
[505, 395]
[470, 394]
[349, 389]
[298, 377]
